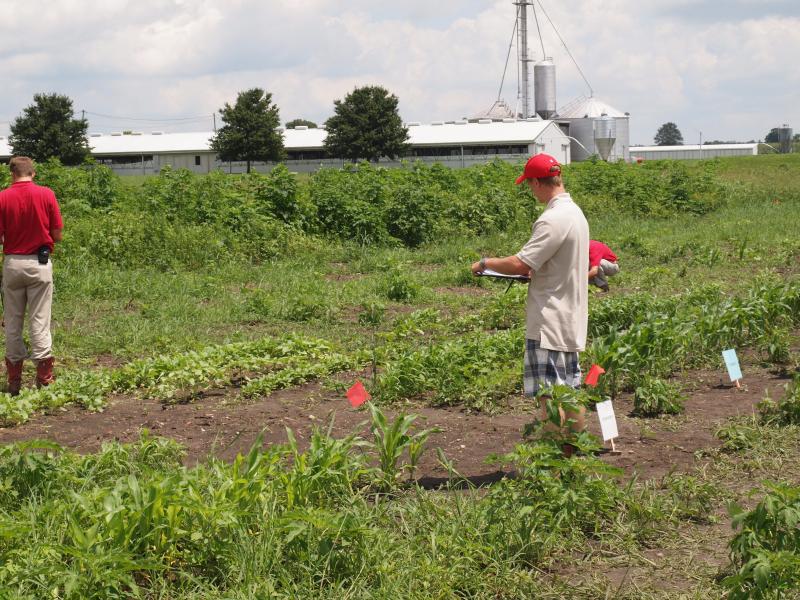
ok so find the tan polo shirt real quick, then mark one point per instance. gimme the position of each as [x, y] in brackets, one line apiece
[557, 311]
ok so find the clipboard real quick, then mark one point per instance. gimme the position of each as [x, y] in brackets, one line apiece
[496, 275]
[510, 278]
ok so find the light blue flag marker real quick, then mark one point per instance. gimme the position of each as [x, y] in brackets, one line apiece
[732, 362]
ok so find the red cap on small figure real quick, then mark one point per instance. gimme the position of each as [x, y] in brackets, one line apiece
[539, 166]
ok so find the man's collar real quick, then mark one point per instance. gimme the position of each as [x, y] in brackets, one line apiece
[555, 199]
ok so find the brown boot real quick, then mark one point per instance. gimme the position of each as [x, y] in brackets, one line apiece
[14, 373]
[44, 372]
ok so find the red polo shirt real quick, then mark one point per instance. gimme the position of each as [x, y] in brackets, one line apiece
[28, 213]
[599, 251]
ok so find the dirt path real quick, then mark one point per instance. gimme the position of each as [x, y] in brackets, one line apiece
[220, 424]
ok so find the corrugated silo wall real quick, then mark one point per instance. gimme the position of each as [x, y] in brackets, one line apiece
[583, 131]
[621, 150]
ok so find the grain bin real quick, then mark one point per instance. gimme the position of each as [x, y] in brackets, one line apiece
[605, 134]
[544, 88]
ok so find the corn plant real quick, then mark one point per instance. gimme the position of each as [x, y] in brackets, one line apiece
[391, 440]
[776, 347]
[655, 397]
[327, 471]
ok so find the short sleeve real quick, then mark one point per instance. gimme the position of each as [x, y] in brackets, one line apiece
[543, 244]
[55, 214]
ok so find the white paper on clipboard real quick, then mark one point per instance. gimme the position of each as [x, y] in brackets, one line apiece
[490, 273]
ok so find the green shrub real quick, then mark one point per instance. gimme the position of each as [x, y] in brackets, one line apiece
[776, 347]
[785, 411]
[736, 437]
[655, 397]
[144, 241]
[351, 203]
[398, 286]
[371, 314]
[412, 213]
[302, 304]
[765, 552]
[691, 497]
[658, 188]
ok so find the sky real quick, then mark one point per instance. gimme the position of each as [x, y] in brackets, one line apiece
[720, 69]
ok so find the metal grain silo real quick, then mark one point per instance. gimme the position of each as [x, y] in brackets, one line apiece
[605, 134]
[544, 88]
[785, 139]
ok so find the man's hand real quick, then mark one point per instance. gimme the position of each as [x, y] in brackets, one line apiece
[476, 268]
[509, 265]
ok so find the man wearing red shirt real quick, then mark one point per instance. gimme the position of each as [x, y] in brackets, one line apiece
[30, 224]
[602, 264]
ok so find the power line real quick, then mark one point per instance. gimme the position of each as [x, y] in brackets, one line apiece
[577, 66]
[541, 39]
[508, 56]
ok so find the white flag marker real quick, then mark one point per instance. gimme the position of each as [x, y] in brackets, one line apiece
[608, 422]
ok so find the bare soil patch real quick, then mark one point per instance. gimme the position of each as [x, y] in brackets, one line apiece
[219, 423]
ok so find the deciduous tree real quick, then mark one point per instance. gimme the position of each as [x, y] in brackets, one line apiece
[366, 125]
[48, 129]
[250, 131]
[669, 135]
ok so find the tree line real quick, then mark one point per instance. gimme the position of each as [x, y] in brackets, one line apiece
[366, 125]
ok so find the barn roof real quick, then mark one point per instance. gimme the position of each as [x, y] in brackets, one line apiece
[434, 134]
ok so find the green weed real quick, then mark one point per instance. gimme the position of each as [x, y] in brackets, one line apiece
[655, 397]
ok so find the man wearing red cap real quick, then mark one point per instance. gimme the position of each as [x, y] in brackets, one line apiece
[557, 310]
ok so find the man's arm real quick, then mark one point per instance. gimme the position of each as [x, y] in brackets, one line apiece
[56, 223]
[593, 271]
[509, 265]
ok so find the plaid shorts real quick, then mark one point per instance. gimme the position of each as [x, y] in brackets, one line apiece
[544, 368]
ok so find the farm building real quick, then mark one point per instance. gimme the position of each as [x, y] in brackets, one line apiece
[453, 143]
[694, 151]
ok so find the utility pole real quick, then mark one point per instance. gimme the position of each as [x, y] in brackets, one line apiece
[214, 117]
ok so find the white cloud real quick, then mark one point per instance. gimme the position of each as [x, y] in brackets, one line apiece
[725, 71]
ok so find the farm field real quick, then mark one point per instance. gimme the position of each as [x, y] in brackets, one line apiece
[198, 443]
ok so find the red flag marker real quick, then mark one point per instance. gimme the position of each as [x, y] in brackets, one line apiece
[594, 372]
[357, 395]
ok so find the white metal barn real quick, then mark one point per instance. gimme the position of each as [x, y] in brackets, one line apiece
[694, 151]
[453, 143]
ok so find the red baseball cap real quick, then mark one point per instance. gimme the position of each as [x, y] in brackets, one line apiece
[541, 165]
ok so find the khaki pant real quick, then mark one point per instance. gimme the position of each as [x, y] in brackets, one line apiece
[26, 283]
[607, 269]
